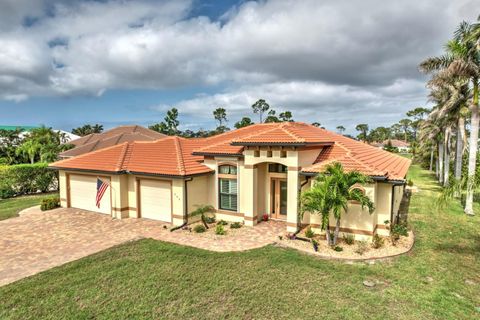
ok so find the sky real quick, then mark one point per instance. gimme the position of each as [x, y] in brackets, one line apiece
[337, 62]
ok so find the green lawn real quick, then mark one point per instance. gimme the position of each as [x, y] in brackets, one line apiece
[150, 279]
[11, 207]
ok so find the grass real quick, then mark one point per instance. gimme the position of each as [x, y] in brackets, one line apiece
[10, 208]
[151, 279]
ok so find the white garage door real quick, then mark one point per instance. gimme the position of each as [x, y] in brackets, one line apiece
[83, 193]
[156, 200]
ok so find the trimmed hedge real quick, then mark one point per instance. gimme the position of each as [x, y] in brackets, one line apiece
[24, 179]
[50, 203]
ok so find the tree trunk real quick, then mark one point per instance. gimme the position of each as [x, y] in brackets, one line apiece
[446, 160]
[459, 149]
[327, 235]
[431, 159]
[437, 163]
[440, 162]
[472, 156]
[337, 230]
[204, 222]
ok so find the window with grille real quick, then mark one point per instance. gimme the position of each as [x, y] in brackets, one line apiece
[228, 194]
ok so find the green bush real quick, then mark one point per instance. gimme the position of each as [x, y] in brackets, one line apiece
[199, 228]
[348, 238]
[222, 223]
[309, 233]
[338, 248]
[410, 182]
[377, 241]
[50, 203]
[220, 230]
[23, 179]
[236, 225]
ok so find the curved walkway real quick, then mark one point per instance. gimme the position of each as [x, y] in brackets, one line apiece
[37, 241]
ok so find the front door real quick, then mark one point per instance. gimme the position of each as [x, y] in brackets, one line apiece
[278, 206]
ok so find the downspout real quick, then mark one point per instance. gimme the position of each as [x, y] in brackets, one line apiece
[185, 210]
[307, 178]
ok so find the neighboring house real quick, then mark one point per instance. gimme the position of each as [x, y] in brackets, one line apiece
[402, 146]
[112, 137]
[243, 173]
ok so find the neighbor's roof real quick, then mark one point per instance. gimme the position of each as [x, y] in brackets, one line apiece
[118, 135]
[182, 157]
[171, 156]
[397, 143]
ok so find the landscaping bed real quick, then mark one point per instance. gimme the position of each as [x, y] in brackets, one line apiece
[359, 250]
[216, 229]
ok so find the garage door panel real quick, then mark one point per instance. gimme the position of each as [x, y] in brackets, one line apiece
[83, 193]
[156, 200]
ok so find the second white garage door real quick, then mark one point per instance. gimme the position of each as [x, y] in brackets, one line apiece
[83, 194]
[156, 200]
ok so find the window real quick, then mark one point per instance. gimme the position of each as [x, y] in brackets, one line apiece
[228, 194]
[276, 167]
[227, 169]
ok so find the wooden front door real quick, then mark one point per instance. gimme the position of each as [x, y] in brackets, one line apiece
[278, 205]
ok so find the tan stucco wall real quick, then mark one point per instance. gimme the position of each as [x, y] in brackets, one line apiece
[62, 185]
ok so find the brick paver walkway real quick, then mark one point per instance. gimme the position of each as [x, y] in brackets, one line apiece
[37, 241]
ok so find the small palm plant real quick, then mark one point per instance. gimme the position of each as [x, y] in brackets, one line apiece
[202, 211]
[331, 193]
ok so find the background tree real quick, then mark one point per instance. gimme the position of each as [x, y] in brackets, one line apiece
[316, 124]
[405, 124]
[10, 140]
[341, 129]
[29, 149]
[272, 117]
[418, 115]
[331, 194]
[363, 129]
[246, 121]
[170, 124]
[87, 129]
[286, 116]
[220, 115]
[260, 107]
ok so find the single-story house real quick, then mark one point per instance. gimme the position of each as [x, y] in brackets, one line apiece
[112, 137]
[244, 174]
[402, 146]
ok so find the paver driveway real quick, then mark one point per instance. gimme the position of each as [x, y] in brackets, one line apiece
[38, 241]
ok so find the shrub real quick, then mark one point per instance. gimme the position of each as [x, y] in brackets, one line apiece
[348, 238]
[377, 241]
[210, 220]
[23, 179]
[220, 230]
[315, 245]
[362, 247]
[199, 228]
[236, 225]
[222, 223]
[400, 229]
[309, 233]
[50, 203]
[410, 183]
[338, 248]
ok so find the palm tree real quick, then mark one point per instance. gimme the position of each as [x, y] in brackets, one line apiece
[463, 60]
[331, 194]
[29, 149]
[202, 211]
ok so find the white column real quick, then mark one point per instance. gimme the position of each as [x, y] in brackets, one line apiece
[249, 191]
[292, 199]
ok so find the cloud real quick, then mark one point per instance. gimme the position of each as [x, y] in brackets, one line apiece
[316, 57]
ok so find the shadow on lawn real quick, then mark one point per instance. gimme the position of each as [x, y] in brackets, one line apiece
[462, 248]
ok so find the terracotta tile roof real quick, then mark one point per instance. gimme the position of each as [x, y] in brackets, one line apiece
[397, 143]
[171, 156]
[176, 156]
[356, 155]
[118, 135]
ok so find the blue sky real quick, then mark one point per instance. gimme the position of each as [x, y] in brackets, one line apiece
[67, 63]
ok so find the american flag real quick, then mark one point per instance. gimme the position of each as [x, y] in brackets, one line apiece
[101, 188]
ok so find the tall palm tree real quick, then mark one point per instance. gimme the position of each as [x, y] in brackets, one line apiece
[463, 60]
[331, 194]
